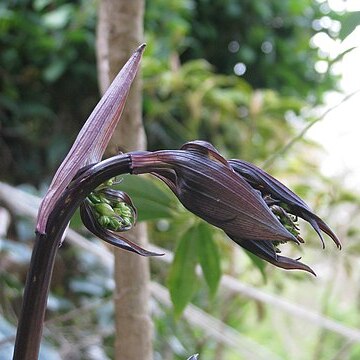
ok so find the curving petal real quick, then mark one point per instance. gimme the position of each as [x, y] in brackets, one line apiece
[206, 149]
[214, 192]
[263, 181]
[229, 195]
[265, 250]
[111, 237]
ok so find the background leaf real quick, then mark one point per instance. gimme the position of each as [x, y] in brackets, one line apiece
[182, 277]
[349, 22]
[208, 256]
[259, 263]
[151, 200]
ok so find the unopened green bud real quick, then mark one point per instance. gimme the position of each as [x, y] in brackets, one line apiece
[122, 206]
[110, 223]
[114, 224]
[104, 221]
[118, 211]
[95, 199]
[109, 182]
[127, 221]
[123, 209]
[103, 199]
[104, 209]
[106, 184]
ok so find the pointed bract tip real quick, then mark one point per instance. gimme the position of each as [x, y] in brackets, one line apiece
[141, 48]
[194, 357]
[93, 138]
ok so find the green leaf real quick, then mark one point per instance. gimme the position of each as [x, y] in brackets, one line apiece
[59, 17]
[54, 70]
[76, 222]
[182, 280]
[349, 22]
[151, 201]
[260, 264]
[209, 257]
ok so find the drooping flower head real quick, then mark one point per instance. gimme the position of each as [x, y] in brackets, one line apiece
[254, 209]
[249, 205]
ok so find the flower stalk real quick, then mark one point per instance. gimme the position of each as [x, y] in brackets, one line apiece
[94, 136]
[63, 198]
[41, 266]
[254, 209]
[204, 182]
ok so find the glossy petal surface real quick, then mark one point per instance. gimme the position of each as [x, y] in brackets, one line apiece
[235, 196]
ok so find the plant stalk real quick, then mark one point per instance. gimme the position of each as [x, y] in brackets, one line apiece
[37, 284]
[30, 326]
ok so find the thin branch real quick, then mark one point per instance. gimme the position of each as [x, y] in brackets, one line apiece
[278, 303]
[216, 329]
[269, 161]
[6, 340]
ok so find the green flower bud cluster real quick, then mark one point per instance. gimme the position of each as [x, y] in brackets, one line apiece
[287, 220]
[111, 214]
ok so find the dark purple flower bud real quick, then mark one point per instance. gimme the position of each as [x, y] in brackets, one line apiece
[214, 192]
[207, 185]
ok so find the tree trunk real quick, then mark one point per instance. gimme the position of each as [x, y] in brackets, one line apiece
[120, 32]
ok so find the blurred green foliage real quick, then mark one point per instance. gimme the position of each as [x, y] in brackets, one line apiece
[47, 83]
[194, 102]
[48, 88]
[270, 37]
[48, 75]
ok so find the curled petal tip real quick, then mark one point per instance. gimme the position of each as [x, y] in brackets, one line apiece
[267, 251]
[151, 253]
[319, 225]
[325, 228]
[143, 252]
[291, 264]
[263, 181]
